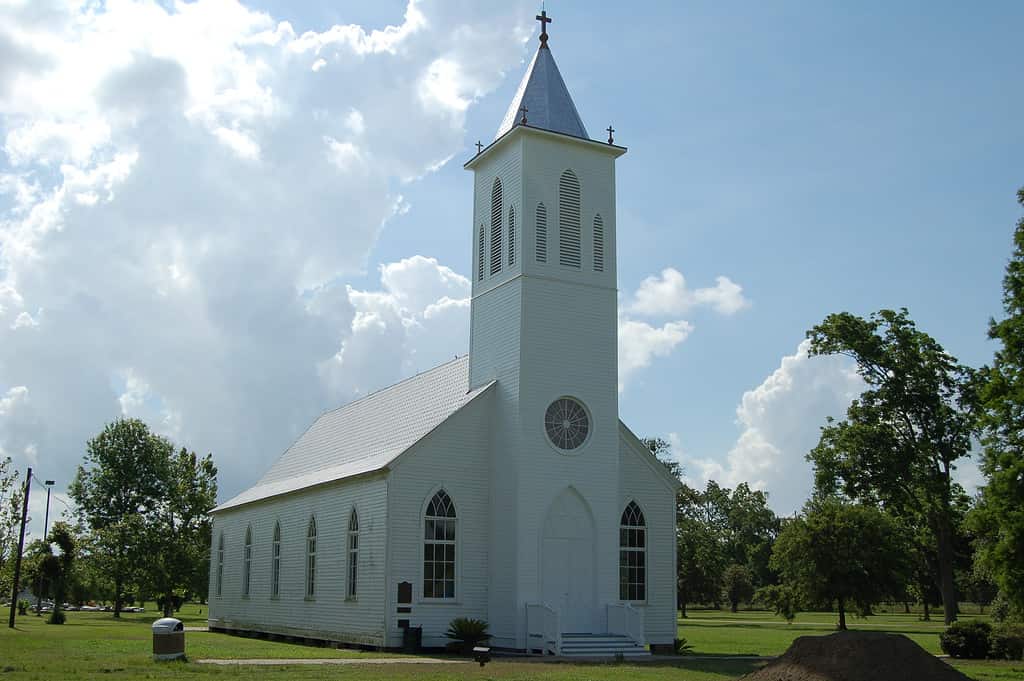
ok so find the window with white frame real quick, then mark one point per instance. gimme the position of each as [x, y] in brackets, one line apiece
[569, 220]
[353, 553]
[511, 236]
[542, 233]
[496, 227]
[220, 564]
[275, 562]
[311, 559]
[439, 539]
[632, 554]
[247, 562]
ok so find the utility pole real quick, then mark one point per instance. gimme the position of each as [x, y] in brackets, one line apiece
[21, 547]
[46, 525]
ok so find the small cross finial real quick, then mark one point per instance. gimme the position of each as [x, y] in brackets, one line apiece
[544, 21]
[523, 110]
[479, 146]
[610, 129]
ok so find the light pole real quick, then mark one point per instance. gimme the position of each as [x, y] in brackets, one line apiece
[46, 524]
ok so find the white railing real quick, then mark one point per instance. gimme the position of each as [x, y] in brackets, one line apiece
[543, 628]
[625, 620]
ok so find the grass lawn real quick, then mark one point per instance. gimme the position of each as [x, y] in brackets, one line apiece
[95, 646]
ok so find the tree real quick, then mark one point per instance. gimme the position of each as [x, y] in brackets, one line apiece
[180, 530]
[58, 567]
[737, 585]
[781, 598]
[10, 516]
[116, 490]
[999, 517]
[900, 441]
[846, 553]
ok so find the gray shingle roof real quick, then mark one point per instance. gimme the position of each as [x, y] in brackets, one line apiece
[547, 100]
[366, 435]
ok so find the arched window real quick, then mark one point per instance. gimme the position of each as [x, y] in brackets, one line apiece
[220, 563]
[598, 243]
[632, 554]
[439, 547]
[353, 552]
[275, 562]
[569, 219]
[496, 226]
[542, 233]
[247, 562]
[511, 236]
[311, 559]
[481, 254]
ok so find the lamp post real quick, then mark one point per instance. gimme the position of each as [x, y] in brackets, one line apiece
[46, 524]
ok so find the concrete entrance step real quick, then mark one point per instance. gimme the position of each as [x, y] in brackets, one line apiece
[601, 645]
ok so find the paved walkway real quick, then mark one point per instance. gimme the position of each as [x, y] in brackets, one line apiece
[335, 660]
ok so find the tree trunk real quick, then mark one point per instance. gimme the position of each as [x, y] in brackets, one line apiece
[927, 617]
[735, 606]
[946, 584]
[117, 599]
[842, 615]
[906, 608]
[168, 605]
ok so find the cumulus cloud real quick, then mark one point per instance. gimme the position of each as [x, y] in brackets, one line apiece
[668, 294]
[640, 343]
[184, 190]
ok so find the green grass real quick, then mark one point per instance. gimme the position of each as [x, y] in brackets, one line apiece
[95, 646]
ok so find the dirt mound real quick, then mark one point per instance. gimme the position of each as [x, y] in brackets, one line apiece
[856, 656]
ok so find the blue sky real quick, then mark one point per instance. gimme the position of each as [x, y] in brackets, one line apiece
[207, 220]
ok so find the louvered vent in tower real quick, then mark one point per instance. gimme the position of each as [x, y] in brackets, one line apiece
[481, 254]
[598, 243]
[496, 226]
[542, 233]
[569, 220]
[511, 236]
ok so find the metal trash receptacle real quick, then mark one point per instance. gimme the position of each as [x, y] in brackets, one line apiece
[168, 639]
[412, 639]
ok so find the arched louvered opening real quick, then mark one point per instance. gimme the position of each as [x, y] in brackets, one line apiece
[496, 226]
[247, 562]
[632, 554]
[311, 558]
[481, 255]
[220, 564]
[511, 236]
[353, 553]
[275, 562]
[542, 233]
[598, 243]
[569, 220]
[439, 539]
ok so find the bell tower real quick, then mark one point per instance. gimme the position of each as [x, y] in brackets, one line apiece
[544, 326]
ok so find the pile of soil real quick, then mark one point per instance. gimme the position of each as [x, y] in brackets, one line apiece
[856, 656]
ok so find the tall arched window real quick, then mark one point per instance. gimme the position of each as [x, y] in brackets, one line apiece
[496, 226]
[632, 554]
[275, 562]
[353, 553]
[569, 219]
[311, 558]
[511, 236]
[220, 563]
[247, 562]
[439, 547]
[598, 243]
[542, 233]
[481, 255]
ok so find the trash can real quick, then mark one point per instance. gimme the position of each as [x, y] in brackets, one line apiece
[412, 639]
[168, 639]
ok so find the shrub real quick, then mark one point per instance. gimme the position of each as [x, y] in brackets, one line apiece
[969, 639]
[466, 632]
[1000, 608]
[23, 606]
[57, 616]
[681, 647]
[1007, 642]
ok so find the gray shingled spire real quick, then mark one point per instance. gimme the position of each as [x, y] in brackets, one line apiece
[546, 99]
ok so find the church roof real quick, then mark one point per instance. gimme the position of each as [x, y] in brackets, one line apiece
[547, 101]
[368, 434]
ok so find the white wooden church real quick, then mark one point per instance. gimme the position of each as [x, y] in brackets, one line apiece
[500, 486]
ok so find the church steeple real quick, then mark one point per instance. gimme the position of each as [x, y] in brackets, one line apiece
[543, 94]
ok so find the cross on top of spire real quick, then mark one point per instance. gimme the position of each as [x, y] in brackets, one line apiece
[544, 20]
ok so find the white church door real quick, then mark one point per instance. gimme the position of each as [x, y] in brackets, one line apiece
[567, 562]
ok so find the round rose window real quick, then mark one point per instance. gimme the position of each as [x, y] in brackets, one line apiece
[566, 423]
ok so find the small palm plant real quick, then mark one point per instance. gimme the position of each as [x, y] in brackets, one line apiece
[466, 632]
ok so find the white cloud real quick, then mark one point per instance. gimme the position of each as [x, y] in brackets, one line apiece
[780, 421]
[669, 294]
[640, 343]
